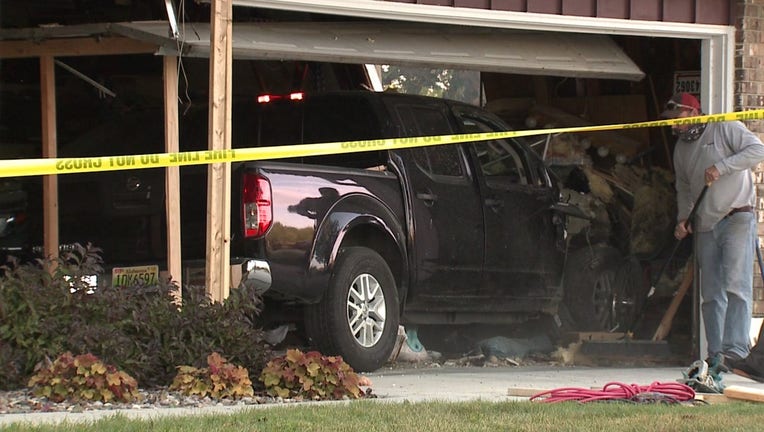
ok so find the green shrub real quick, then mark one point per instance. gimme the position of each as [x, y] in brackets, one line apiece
[37, 309]
[83, 377]
[141, 330]
[219, 380]
[310, 375]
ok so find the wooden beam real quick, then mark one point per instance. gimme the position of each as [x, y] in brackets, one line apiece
[172, 174]
[71, 47]
[668, 317]
[219, 175]
[49, 145]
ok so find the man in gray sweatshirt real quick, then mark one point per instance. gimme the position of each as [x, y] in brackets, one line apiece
[720, 155]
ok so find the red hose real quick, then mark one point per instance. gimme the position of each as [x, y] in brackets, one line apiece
[657, 391]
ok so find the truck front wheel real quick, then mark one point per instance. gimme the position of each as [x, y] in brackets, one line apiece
[602, 289]
[358, 316]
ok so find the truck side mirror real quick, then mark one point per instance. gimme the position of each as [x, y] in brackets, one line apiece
[571, 210]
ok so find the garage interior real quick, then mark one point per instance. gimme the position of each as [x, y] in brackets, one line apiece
[623, 179]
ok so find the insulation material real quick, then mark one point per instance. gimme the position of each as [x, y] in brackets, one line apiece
[652, 219]
[567, 149]
[599, 186]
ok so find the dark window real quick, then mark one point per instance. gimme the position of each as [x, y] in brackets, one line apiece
[502, 159]
[498, 159]
[424, 120]
[345, 119]
[322, 120]
[279, 124]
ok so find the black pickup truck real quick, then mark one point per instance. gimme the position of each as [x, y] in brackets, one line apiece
[359, 243]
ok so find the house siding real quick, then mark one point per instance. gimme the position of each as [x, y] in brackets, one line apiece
[749, 94]
[719, 12]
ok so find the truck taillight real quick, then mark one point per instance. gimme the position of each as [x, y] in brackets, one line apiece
[256, 205]
[265, 98]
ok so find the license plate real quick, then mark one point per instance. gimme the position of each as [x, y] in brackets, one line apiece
[134, 276]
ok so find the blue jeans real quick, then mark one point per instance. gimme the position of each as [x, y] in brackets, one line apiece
[725, 256]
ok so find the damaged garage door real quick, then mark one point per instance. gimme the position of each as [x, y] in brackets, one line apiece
[488, 50]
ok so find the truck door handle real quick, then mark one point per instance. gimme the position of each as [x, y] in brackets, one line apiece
[494, 204]
[428, 197]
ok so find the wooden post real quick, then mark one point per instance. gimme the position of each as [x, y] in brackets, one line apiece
[219, 174]
[172, 174]
[49, 146]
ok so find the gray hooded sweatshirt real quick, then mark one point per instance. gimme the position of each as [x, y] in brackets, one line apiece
[734, 150]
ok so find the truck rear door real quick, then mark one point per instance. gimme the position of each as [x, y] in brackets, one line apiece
[446, 211]
[522, 259]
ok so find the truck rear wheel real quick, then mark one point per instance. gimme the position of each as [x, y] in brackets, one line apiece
[358, 316]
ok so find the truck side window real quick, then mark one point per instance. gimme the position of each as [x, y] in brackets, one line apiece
[425, 120]
[499, 159]
[440, 160]
[502, 159]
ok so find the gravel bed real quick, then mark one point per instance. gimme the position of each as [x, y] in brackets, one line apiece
[24, 401]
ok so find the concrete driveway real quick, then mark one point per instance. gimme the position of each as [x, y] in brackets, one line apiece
[493, 384]
[435, 383]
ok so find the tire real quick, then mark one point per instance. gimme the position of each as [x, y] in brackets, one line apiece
[346, 322]
[602, 289]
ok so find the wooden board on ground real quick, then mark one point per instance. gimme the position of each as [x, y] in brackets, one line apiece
[712, 398]
[524, 391]
[744, 393]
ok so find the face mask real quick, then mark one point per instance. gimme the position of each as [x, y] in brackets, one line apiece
[692, 133]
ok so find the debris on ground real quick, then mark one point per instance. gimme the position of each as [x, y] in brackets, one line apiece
[409, 349]
[703, 378]
[501, 346]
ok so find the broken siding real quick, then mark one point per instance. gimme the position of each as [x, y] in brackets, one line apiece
[719, 12]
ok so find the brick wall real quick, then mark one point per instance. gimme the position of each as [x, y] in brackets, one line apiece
[749, 94]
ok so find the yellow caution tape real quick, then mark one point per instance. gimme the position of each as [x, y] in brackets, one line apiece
[28, 167]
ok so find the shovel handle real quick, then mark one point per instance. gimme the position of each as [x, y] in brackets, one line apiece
[650, 292]
[697, 203]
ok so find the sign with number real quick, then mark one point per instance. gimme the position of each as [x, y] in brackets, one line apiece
[687, 81]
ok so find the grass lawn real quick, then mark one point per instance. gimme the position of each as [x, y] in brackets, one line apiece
[363, 416]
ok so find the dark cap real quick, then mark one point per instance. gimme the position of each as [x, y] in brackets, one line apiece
[679, 102]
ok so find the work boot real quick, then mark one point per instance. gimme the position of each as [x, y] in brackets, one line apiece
[720, 363]
[750, 367]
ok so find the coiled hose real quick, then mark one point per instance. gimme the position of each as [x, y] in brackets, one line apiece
[665, 392]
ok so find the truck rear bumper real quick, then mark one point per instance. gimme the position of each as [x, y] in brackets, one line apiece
[251, 272]
[256, 274]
